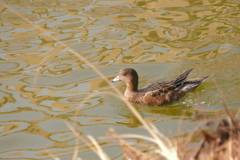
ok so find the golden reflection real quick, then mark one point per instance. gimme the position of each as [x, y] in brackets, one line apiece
[99, 12]
[131, 26]
[224, 48]
[50, 4]
[173, 16]
[8, 127]
[212, 2]
[69, 26]
[16, 154]
[10, 17]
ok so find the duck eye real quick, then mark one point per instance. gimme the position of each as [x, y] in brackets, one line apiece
[124, 74]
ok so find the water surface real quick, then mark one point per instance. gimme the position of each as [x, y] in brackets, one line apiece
[42, 84]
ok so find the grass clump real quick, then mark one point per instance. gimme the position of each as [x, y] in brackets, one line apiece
[217, 143]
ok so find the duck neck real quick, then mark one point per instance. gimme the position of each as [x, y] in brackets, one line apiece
[132, 87]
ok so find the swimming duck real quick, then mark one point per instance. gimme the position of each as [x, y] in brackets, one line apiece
[159, 93]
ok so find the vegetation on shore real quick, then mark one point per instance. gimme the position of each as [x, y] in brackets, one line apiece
[218, 141]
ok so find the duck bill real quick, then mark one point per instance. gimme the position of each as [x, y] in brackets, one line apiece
[116, 79]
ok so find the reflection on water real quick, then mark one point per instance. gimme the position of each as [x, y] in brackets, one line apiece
[42, 85]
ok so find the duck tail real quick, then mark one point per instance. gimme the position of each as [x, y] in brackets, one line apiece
[192, 84]
[178, 82]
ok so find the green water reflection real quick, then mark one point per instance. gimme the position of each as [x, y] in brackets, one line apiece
[42, 84]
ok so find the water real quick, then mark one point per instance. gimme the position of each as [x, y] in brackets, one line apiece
[43, 84]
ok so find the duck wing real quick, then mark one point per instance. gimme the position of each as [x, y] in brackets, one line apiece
[166, 92]
[163, 95]
[191, 84]
[178, 82]
[152, 86]
[161, 88]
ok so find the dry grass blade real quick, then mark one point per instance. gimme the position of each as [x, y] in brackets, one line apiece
[54, 51]
[129, 151]
[91, 96]
[99, 150]
[138, 136]
[52, 155]
[166, 147]
[75, 152]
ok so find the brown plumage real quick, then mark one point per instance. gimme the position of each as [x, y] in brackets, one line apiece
[159, 93]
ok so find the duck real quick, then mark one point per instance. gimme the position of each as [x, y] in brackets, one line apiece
[158, 93]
